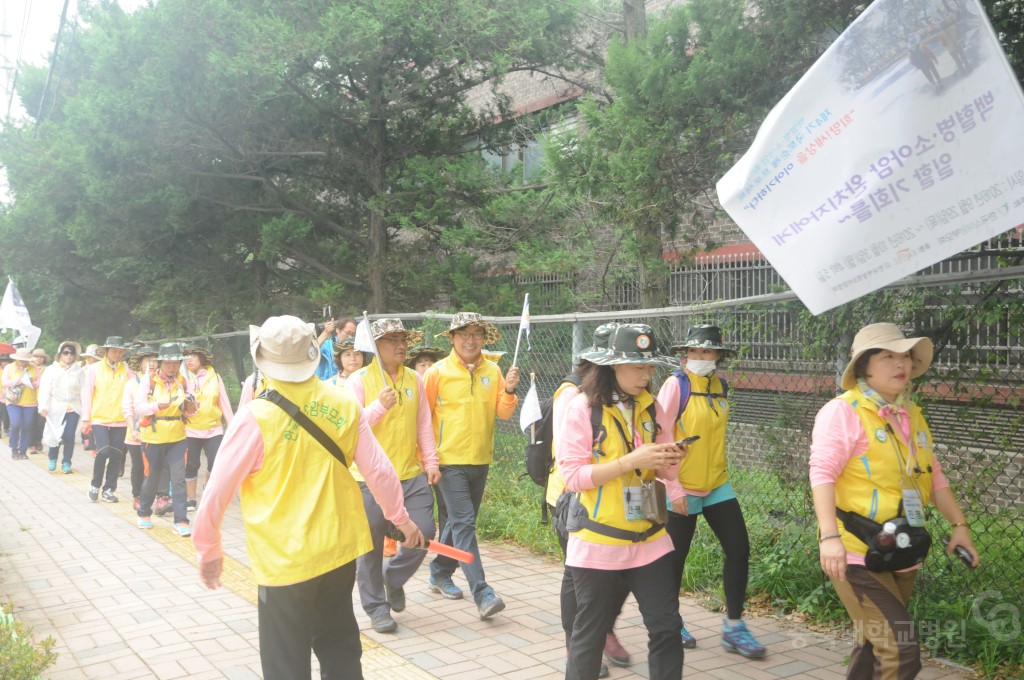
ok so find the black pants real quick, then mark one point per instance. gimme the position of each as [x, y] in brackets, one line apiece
[567, 596]
[138, 468]
[313, 614]
[599, 595]
[193, 459]
[109, 455]
[726, 520]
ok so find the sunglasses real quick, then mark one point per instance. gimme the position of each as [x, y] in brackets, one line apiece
[69, 352]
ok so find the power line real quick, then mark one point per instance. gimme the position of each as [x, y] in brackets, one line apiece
[53, 60]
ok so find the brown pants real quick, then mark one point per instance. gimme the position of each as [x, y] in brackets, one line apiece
[886, 646]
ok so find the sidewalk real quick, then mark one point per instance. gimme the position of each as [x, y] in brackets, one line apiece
[124, 603]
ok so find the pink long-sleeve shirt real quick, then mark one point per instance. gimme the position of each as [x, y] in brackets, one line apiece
[225, 408]
[839, 436]
[241, 455]
[574, 443]
[375, 412]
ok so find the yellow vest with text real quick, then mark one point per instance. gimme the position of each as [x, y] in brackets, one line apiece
[465, 410]
[207, 394]
[871, 484]
[606, 504]
[303, 511]
[28, 395]
[704, 467]
[396, 431]
[167, 426]
[108, 388]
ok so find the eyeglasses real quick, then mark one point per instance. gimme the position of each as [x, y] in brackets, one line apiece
[471, 335]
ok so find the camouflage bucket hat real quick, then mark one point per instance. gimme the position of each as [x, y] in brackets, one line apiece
[464, 319]
[630, 344]
[382, 327]
[704, 336]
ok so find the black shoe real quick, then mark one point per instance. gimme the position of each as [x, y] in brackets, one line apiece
[395, 597]
[190, 504]
[94, 494]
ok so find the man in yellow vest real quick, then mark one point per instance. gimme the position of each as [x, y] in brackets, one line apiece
[103, 418]
[288, 451]
[396, 406]
[465, 392]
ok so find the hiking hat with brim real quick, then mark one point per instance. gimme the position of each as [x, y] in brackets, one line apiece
[435, 354]
[704, 336]
[629, 344]
[91, 352]
[349, 345]
[170, 351]
[140, 353]
[115, 342]
[382, 327]
[73, 345]
[204, 354]
[888, 336]
[22, 354]
[466, 319]
[40, 352]
[285, 348]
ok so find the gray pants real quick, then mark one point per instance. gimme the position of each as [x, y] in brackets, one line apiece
[371, 569]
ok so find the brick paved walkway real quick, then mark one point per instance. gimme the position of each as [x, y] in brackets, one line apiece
[124, 603]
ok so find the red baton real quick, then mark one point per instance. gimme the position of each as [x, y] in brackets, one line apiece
[434, 546]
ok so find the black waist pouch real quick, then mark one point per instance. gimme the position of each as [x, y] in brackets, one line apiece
[900, 548]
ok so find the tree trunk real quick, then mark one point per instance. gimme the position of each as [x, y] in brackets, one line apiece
[377, 225]
[634, 17]
[652, 274]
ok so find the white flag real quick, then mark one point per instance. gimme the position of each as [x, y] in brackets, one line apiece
[524, 321]
[364, 339]
[14, 315]
[530, 411]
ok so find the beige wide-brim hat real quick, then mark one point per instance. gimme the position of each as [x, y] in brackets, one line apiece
[285, 348]
[92, 352]
[23, 354]
[888, 336]
[465, 319]
[73, 345]
[382, 327]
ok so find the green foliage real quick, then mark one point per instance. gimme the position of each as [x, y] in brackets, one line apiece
[20, 658]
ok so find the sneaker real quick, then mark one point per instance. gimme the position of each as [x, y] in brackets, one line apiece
[182, 529]
[94, 494]
[383, 623]
[604, 672]
[395, 595]
[190, 504]
[162, 506]
[109, 496]
[51, 465]
[689, 642]
[445, 586]
[65, 467]
[145, 522]
[490, 605]
[739, 639]
[136, 503]
[614, 651]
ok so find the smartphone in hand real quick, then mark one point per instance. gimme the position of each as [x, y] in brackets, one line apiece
[688, 440]
[961, 552]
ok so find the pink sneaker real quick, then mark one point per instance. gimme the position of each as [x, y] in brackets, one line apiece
[136, 503]
[162, 505]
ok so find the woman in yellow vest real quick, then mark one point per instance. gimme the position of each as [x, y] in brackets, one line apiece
[162, 404]
[872, 455]
[205, 429]
[396, 408]
[700, 398]
[20, 382]
[617, 538]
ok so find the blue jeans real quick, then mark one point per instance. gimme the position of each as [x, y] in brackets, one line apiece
[67, 437]
[158, 455]
[462, 487]
[21, 426]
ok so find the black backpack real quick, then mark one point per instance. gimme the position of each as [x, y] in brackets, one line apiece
[539, 461]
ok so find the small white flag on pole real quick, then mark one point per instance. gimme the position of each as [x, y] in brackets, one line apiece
[530, 411]
[363, 342]
[14, 315]
[524, 325]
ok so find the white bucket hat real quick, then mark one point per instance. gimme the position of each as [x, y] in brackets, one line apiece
[887, 336]
[23, 354]
[285, 348]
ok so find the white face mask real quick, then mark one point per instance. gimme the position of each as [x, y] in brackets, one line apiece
[701, 366]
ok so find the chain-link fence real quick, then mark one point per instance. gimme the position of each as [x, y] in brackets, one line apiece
[785, 371]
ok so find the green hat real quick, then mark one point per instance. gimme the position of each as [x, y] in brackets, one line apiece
[629, 344]
[703, 336]
[170, 351]
[115, 342]
[435, 354]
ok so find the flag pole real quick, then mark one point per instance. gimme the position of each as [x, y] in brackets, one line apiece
[376, 353]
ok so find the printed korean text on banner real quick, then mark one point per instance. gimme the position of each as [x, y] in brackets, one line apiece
[899, 148]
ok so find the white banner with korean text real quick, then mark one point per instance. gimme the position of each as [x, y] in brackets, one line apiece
[900, 147]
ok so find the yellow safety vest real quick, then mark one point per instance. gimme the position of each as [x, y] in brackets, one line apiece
[396, 431]
[871, 484]
[464, 411]
[28, 395]
[303, 511]
[167, 426]
[704, 467]
[209, 415]
[108, 388]
[556, 483]
[606, 503]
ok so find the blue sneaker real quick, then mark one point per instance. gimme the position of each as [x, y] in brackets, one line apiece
[182, 529]
[490, 605]
[740, 640]
[689, 642]
[445, 586]
[65, 467]
[51, 465]
[145, 522]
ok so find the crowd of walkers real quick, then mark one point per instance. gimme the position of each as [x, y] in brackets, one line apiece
[349, 463]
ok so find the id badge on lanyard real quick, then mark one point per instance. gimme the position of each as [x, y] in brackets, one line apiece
[913, 507]
[632, 501]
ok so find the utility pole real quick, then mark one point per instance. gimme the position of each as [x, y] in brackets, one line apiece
[634, 16]
[53, 59]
